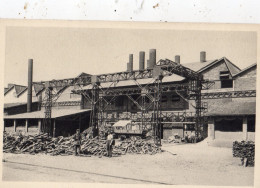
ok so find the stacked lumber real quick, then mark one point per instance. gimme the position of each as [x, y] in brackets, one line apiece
[136, 146]
[245, 150]
[65, 145]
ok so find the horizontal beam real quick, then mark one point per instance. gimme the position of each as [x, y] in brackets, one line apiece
[167, 67]
[228, 94]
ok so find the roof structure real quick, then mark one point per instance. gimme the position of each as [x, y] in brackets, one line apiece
[231, 67]
[18, 88]
[199, 66]
[246, 69]
[125, 83]
[10, 105]
[121, 123]
[56, 113]
[232, 109]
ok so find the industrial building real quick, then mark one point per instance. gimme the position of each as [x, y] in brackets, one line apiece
[224, 106]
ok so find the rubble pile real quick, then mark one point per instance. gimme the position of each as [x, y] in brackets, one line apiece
[42, 143]
[245, 150]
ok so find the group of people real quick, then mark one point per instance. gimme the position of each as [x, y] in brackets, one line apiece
[190, 138]
[109, 143]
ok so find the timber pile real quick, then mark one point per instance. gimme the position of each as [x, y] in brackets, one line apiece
[65, 145]
[137, 146]
[245, 149]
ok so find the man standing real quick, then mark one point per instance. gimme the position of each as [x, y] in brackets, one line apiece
[77, 139]
[109, 144]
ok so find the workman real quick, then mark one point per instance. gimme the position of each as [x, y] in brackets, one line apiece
[193, 136]
[77, 139]
[110, 142]
[186, 137]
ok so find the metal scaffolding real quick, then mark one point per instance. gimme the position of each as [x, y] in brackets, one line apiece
[149, 95]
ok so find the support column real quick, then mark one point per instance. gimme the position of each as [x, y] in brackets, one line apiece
[80, 122]
[15, 124]
[4, 124]
[245, 135]
[39, 125]
[54, 127]
[211, 129]
[26, 125]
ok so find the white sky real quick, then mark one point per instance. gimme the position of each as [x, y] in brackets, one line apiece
[66, 52]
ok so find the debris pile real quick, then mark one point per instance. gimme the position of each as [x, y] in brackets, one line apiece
[245, 150]
[42, 143]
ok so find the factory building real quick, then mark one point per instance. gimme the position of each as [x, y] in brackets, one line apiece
[229, 102]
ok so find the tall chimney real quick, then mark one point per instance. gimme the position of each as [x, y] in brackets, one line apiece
[127, 67]
[141, 60]
[148, 64]
[152, 58]
[202, 56]
[131, 62]
[177, 59]
[30, 78]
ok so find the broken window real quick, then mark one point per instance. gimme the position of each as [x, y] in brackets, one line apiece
[226, 81]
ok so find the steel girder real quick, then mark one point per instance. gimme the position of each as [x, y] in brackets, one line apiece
[48, 105]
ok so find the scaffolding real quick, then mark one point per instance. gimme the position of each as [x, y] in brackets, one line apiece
[149, 94]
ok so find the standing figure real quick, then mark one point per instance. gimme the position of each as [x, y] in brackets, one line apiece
[109, 144]
[193, 136]
[77, 139]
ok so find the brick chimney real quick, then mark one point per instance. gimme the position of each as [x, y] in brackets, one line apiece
[202, 56]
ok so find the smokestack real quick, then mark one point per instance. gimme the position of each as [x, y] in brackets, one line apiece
[130, 62]
[30, 78]
[127, 67]
[152, 58]
[141, 60]
[202, 56]
[177, 59]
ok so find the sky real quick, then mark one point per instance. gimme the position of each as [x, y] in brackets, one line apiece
[66, 52]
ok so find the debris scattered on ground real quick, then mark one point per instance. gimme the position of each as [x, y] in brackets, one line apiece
[246, 151]
[42, 143]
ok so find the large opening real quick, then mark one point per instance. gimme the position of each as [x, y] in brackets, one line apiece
[229, 125]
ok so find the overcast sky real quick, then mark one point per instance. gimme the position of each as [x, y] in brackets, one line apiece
[66, 52]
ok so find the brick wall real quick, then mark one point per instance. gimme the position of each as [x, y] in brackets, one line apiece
[245, 84]
[213, 73]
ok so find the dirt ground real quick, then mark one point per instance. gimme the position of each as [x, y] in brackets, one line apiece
[184, 164]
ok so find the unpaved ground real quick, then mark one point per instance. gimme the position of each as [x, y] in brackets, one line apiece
[189, 164]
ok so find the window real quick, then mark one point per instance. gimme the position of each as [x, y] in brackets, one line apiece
[120, 101]
[225, 80]
[164, 98]
[175, 98]
[226, 83]
[224, 75]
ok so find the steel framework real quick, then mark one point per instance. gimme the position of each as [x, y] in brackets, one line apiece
[149, 94]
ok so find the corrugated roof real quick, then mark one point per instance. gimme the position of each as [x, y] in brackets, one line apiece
[56, 113]
[232, 108]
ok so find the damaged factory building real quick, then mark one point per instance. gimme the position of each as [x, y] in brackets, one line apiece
[211, 98]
